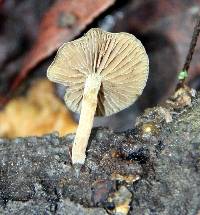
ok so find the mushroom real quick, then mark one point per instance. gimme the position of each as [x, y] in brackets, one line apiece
[104, 74]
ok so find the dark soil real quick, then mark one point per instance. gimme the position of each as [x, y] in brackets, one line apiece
[36, 175]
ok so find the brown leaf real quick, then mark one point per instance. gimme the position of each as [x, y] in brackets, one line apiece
[1, 2]
[61, 23]
[35, 115]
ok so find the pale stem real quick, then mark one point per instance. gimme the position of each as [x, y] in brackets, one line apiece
[88, 109]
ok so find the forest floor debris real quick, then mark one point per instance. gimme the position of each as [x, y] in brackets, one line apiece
[38, 169]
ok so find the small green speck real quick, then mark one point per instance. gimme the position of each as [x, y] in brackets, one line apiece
[183, 74]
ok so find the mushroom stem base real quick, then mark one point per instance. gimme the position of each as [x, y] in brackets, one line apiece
[88, 109]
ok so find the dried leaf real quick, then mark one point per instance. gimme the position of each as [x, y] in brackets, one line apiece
[62, 22]
[1, 2]
[38, 113]
[121, 200]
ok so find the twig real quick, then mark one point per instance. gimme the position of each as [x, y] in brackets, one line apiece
[184, 73]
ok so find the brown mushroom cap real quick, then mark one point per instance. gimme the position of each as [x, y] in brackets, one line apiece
[119, 58]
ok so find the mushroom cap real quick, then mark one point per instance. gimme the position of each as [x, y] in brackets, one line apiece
[120, 60]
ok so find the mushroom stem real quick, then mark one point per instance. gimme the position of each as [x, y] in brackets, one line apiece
[89, 104]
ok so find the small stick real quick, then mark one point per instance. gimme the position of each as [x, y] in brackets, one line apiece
[184, 72]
